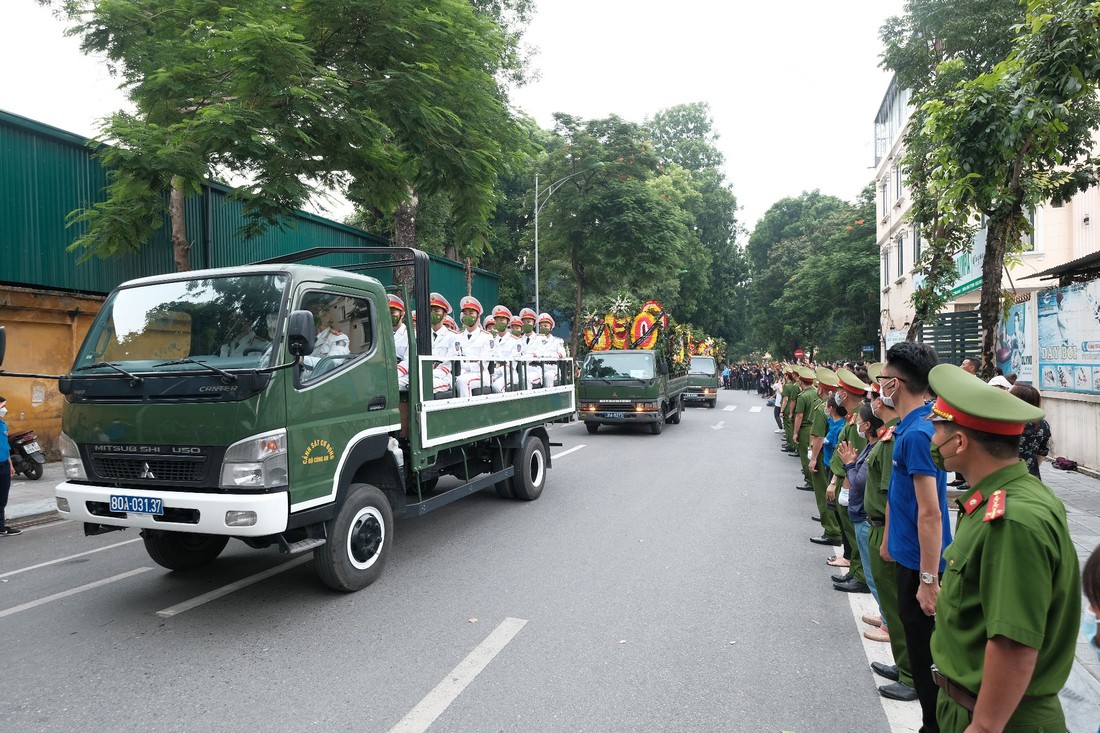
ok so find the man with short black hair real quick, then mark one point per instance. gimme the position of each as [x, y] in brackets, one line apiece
[917, 526]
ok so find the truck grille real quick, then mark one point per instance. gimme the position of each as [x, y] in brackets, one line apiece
[157, 470]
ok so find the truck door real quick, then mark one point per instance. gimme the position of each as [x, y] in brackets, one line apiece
[343, 401]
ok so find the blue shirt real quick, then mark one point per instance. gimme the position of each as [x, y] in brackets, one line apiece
[5, 449]
[829, 446]
[913, 457]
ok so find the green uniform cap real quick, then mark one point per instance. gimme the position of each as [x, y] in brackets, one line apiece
[873, 372]
[851, 383]
[827, 377]
[966, 400]
[805, 374]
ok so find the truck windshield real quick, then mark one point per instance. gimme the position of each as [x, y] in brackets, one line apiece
[702, 365]
[618, 366]
[222, 323]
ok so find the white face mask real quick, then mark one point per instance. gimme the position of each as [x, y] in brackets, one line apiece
[3, 411]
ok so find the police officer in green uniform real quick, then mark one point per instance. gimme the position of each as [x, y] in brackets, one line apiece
[879, 467]
[1009, 607]
[790, 395]
[803, 412]
[849, 395]
[820, 475]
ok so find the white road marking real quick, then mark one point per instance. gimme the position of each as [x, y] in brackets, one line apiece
[758, 408]
[70, 557]
[232, 587]
[720, 426]
[730, 408]
[567, 452]
[420, 718]
[904, 717]
[71, 592]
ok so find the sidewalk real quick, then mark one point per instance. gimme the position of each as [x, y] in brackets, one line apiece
[32, 501]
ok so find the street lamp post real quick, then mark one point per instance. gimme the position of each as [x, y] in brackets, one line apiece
[549, 191]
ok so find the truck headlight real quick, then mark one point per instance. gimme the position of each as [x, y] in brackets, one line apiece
[256, 463]
[645, 407]
[70, 458]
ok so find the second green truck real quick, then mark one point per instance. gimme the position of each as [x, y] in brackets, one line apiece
[630, 387]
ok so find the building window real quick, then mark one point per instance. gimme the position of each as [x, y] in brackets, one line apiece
[901, 255]
[882, 195]
[886, 267]
[916, 244]
[897, 181]
[1029, 238]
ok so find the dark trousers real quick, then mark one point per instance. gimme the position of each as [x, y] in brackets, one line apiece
[918, 641]
[5, 487]
[778, 417]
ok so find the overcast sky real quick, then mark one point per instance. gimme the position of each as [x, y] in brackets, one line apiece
[793, 86]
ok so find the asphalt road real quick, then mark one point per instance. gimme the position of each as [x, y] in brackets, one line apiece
[661, 583]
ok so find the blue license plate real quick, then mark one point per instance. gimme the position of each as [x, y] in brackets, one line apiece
[137, 505]
[617, 415]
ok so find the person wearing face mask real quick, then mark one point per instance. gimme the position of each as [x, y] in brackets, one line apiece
[849, 396]
[442, 343]
[875, 505]
[400, 340]
[820, 474]
[549, 348]
[7, 471]
[855, 468]
[804, 405]
[1010, 605]
[472, 343]
[917, 525]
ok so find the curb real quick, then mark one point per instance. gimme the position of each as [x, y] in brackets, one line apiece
[33, 520]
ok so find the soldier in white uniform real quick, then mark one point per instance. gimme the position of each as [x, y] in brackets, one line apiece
[530, 347]
[400, 340]
[509, 350]
[472, 343]
[549, 348]
[442, 343]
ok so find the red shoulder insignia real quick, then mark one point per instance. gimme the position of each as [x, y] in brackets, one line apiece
[996, 508]
[853, 418]
[973, 502]
[889, 434]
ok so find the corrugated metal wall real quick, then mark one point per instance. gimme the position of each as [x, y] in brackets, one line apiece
[45, 173]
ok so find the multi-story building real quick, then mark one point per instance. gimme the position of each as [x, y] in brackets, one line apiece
[1061, 234]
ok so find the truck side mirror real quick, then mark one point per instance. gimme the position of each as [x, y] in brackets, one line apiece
[301, 333]
[3, 343]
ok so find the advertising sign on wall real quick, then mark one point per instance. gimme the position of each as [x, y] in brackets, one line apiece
[1015, 354]
[1069, 338]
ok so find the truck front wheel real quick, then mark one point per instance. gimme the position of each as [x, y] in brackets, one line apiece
[675, 418]
[656, 426]
[592, 427]
[359, 540]
[182, 550]
[530, 467]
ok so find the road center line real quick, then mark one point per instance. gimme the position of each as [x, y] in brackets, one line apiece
[420, 718]
[758, 408]
[232, 587]
[70, 557]
[730, 408]
[559, 455]
[71, 592]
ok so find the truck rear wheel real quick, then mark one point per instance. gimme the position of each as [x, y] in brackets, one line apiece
[359, 540]
[182, 550]
[530, 466]
[592, 427]
[675, 418]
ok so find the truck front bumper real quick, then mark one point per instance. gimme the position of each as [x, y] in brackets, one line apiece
[183, 511]
[621, 418]
[700, 395]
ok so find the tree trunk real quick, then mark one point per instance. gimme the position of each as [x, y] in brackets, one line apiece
[996, 243]
[469, 276]
[181, 248]
[578, 273]
[404, 234]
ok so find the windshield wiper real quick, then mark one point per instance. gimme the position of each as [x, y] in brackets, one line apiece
[227, 377]
[135, 380]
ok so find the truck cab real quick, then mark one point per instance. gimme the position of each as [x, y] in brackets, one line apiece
[704, 379]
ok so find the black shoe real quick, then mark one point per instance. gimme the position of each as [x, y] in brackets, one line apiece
[841, 578]
[805, 488]
[9, 531]
[823, 540]
[957, 482]
[852, 586]
[815, 519]
[898, 691]
[889, 671]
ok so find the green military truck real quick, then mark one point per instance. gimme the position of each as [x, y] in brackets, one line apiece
[704, 379]
[262, 403]
[629, 387]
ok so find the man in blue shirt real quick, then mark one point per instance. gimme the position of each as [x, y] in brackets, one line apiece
[6, 471]
[917, 526]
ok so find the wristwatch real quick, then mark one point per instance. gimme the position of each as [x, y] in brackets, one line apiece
[928, 578]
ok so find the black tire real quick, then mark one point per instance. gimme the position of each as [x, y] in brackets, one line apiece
[592, 427]
[656, 427]
[503, 488]
[712, 403]
[359, 540]
[182, 550]
[530, 463]
[34, 471]
[675, 418]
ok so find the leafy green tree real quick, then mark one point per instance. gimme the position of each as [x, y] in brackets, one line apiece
[974, 35]
[1018, 136]
[384, 99]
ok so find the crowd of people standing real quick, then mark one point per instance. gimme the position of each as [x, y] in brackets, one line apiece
[982, 618]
